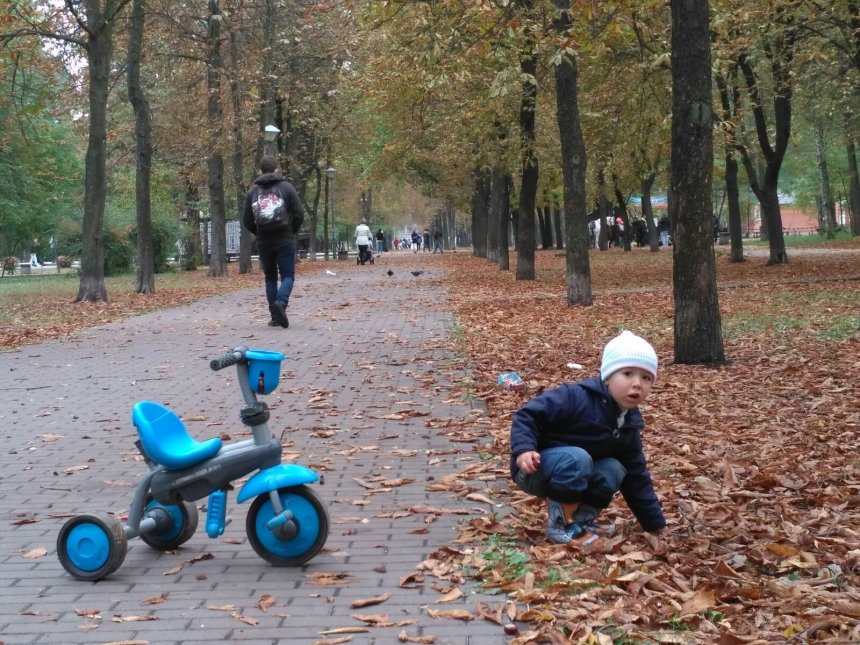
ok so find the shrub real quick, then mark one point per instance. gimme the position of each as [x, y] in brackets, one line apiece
[64, 261]
[119, 252]
[163, 239]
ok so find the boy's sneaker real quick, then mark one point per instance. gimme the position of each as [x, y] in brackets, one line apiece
[577, 530]
[583, 534]
[279, 313]
[558, 530]
[604, 530]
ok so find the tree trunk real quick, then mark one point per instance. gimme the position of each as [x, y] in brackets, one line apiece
[604, 209]
[854, 187]
[621, 211]
[763, 223]
[191, 235]
[573, 169]
[215, 164]
[530, 173]
[540, 227]
[99, 46]
[480, 211]
[312, 240]
[730, 101]
[697, 314]
[781, 55]
[735, 233]
[648, 212]
[326, 211]
[827, 204]
[504, 221]
[773, 222]
[558, 225]
[497, 212]
[269, 97]
[145, 279]
[237, 90]
[547, 232]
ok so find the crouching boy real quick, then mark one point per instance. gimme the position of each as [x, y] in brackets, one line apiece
[579, 444]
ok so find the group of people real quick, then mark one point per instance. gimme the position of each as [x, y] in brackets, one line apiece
[639, 232]
[576, 445]
[416, 242]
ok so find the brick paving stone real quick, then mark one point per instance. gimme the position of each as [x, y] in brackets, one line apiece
[361, 346]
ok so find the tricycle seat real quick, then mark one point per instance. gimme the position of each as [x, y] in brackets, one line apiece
[165, 439]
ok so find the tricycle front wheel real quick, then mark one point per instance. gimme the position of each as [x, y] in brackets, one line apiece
[91, 547]
[309, 533]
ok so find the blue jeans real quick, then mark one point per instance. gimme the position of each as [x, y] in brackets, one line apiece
[568, 474]
[274, 260]
[379, 245]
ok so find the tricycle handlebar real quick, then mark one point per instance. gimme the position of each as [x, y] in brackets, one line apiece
[227, 359]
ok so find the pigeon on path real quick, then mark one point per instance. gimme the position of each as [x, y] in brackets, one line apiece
[416, 273]
[390, 273]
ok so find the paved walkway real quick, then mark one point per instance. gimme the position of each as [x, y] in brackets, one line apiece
[366, 391]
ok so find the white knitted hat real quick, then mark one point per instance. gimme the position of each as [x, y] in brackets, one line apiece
[628, 350]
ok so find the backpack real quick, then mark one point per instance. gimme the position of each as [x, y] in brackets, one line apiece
[269, 207]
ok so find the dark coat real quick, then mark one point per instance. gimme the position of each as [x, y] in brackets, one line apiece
[285, 232]
[585, 415]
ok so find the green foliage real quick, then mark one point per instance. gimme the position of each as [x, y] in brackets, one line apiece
[120, 230]
[69, 236]
[121, 221]
[799, 172]
[41, 181]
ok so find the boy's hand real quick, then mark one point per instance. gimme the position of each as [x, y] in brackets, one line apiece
[528, 462]
[657, 540]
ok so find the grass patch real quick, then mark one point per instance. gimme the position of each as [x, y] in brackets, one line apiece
[822, 312]
[836, 328]
[746, 324]
[817, 239]
[47, 284]
[502, 554]
[841, 328]
[66, 284]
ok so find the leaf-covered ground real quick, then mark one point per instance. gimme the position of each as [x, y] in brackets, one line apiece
[756, 461]
[37, 308]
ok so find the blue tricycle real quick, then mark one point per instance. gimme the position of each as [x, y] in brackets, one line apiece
[287, 523]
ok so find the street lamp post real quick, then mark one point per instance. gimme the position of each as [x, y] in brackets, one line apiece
[270, 135]
[329, 173]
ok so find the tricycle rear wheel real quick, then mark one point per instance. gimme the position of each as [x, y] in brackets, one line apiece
[91, 547]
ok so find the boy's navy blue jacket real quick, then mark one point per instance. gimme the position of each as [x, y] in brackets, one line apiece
[585, 415]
